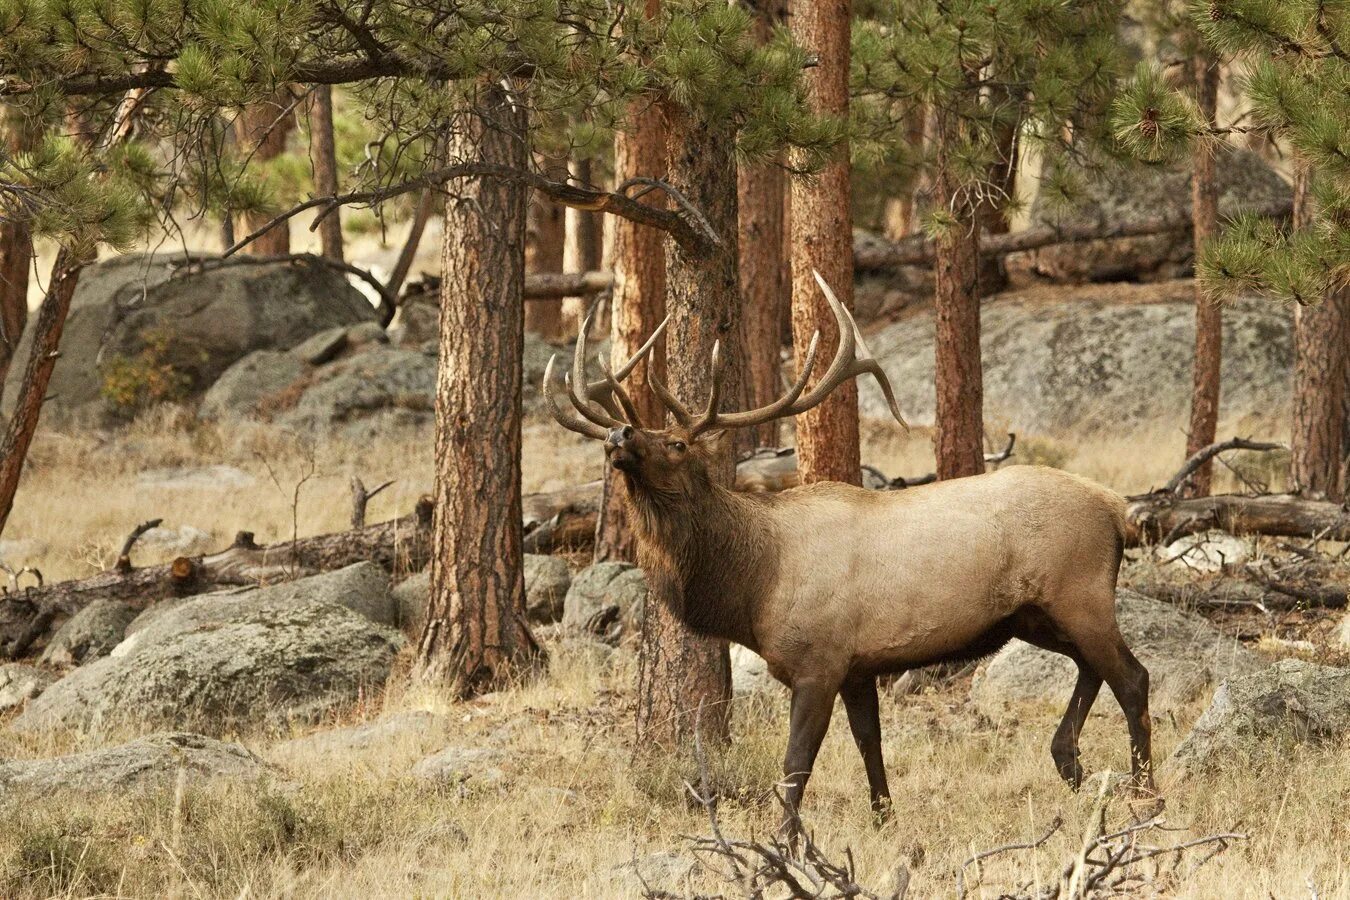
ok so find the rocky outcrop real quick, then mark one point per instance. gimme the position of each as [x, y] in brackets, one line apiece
[1268, 713]
[480, 766]
[1184, 655]
[151, 761]
[135, 324]
[270, 665]
[92, 632]
[1136, 194]
[1107, 356]
[606, 599]
[20, 683]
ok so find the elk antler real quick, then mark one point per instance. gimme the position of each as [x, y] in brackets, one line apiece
[601, 405]
[851, 360]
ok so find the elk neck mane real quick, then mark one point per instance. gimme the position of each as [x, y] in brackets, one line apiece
[709, 555]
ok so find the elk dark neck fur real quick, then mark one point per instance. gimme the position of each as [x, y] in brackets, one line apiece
[708, 555]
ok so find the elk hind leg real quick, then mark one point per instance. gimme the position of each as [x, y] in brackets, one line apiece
[1034, 627]
[864, 720]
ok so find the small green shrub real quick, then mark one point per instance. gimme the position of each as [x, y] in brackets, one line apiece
[132, 383]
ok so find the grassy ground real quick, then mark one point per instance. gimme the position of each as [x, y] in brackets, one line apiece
[575, 805]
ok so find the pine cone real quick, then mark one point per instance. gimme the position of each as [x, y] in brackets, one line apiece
[1215, 13]
[1148, 126]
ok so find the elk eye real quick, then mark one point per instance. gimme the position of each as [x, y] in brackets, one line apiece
[679, 446]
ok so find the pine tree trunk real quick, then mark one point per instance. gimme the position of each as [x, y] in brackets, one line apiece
[1321, 369]
[475, 637]
[638, 305]
[16, 258]
[822, 240]
[760, 192]
[679, 672]
[545, 243]
[1208, 315]
[261, 130]
[324, 151]
[959, 437]
[23, 422]
[426, 205]
[584, 249]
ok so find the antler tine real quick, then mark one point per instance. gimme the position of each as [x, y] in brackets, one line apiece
[617, 390]
[778, 407]
[571, 421]
[589, 406]
[604, 390]
[709, 417]
[677, 409]
[642, 351]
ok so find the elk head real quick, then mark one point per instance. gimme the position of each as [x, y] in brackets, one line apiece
[675, 461]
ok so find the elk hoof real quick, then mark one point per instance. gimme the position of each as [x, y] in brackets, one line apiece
[1070, 769]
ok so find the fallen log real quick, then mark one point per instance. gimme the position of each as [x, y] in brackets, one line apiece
[875, 253]
[1164, 517]
[400, 544]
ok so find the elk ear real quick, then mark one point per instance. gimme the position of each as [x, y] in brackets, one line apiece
[716, 442]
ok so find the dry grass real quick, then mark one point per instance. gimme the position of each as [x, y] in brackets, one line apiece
[575, 805]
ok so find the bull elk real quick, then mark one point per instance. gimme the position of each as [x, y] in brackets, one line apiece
[834, 585]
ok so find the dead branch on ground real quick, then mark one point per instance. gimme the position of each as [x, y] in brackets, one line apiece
[123, 564]
[361, 498]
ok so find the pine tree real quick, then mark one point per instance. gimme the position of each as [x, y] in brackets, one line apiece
[1295, 77]
[993, 77]
[323, 149]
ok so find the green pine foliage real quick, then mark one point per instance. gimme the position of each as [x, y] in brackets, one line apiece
[409, 74]
[1295, 75]
[1040, 70]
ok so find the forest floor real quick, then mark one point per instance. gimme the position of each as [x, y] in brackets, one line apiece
[574, 806]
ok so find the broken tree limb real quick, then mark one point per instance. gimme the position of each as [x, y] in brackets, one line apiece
[402, 544]
[123, 564]
[1151, 518]
[361, 499]
[1205, 454]
[875, 254]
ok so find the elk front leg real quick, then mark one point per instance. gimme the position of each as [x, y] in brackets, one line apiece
[864, 719]
[812, 704]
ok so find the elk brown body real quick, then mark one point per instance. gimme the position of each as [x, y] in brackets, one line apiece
[834, 585]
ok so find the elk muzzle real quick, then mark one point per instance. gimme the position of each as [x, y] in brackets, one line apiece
[619, 448]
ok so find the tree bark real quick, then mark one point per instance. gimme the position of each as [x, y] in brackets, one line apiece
[261, 130]
[638, 305]
[584, 248]
[822, 240]
[16, 257]
[545, 243]
[51, 321]
[1208, 315]
[760, 190]
[680, 672]
[324, 151]
[959, 433]
[475, 637]
[1321, 368]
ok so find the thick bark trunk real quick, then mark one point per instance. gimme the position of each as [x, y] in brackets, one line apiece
[261, 130]
[1208, 315]
[638, 305]
[16, 258]
[959, 435]
[822, 240]
[545, 242]
[760, 190]
[401, 545]
[324, 153]
[33, 391]
[475, 637]
[680, 672]
[1321, 368]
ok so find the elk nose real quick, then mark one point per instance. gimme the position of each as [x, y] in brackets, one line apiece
[617, 436]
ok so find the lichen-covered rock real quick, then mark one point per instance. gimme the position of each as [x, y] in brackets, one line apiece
[606, 598]
[547, 579]
[1100, 356]
[133, 311]
[365, 393]
[242, 389]
[749, 672]
[20, 683]
[1139, 194]
[361, 587]
[274, 665]
[1267, 713]
[92, 632]
[417, 729]
[151, 761]
[456, 765]
[411, 596]
[1183, 652]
